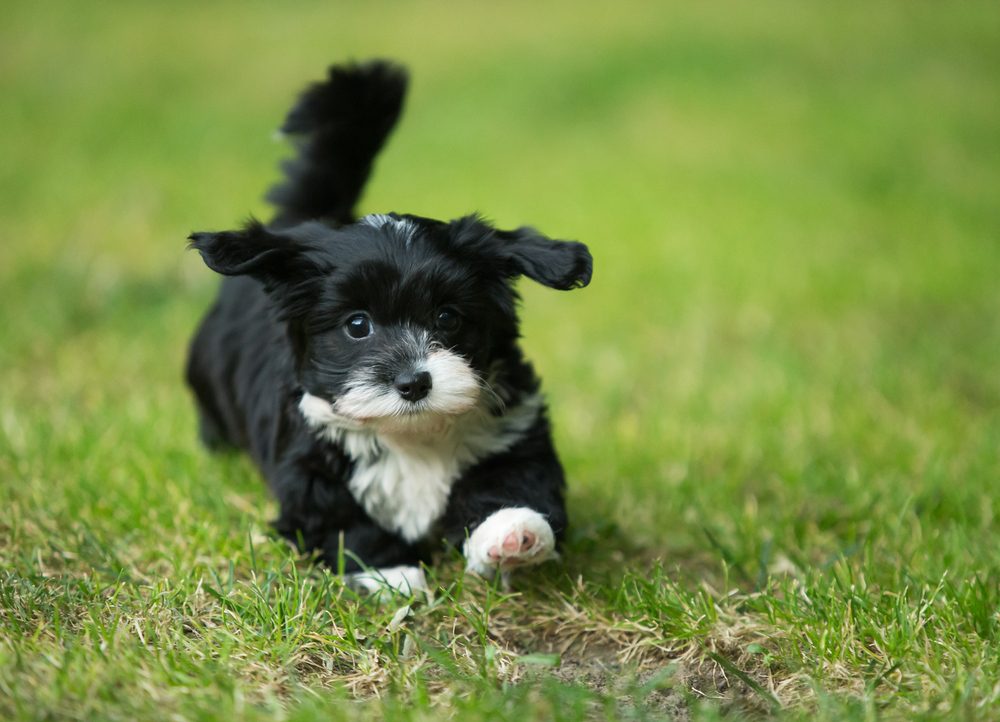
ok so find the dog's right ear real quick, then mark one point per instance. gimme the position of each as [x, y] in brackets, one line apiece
[272, 258]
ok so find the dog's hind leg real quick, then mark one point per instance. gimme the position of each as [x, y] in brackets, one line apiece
[211, 432]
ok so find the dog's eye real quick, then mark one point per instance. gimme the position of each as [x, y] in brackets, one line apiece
[448, 319]
[359, 326]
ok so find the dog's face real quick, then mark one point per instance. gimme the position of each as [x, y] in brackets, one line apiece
[397, 323]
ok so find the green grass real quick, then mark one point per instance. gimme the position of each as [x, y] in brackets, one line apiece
[778, 403]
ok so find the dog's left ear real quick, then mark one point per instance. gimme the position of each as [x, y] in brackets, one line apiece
[288, 268]
[272, 258]
[557, 264]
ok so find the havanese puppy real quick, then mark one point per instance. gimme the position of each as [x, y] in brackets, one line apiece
[371, 366]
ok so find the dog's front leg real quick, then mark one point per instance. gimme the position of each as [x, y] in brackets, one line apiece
[387, 563]
[319, 514]
[507, 513]
[373, 559]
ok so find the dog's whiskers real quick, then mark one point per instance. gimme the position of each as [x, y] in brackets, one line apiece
[495, 400]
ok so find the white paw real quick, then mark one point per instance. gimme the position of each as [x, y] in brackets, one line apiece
[507, 539]
[405, 580]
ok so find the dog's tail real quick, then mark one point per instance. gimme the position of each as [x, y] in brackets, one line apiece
[338, 125]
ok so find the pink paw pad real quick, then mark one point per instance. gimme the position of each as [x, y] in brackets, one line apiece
[514, 544]
[508, 538]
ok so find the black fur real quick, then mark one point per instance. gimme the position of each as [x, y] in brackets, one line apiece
[279, 330]
[339, 127]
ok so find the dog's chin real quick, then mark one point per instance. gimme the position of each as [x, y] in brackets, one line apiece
[396, 416]
[416, 423]
[387, 415]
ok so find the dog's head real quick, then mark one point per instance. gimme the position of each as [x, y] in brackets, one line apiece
[396, 322]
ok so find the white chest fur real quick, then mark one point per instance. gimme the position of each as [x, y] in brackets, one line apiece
[403, 480]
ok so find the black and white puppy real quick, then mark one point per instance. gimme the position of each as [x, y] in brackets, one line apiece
[371, 367]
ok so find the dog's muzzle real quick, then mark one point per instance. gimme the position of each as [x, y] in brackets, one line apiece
[423, 381]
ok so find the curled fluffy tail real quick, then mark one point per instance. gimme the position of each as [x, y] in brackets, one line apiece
[338, 126]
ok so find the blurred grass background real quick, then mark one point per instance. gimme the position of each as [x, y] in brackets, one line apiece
[784, 372]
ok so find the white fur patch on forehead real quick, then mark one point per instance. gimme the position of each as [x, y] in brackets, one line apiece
[403, 227]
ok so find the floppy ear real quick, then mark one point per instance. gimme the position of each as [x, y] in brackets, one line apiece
[288, 268]
[557, 264]
[271, 258]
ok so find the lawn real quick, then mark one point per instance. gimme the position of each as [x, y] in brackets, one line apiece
[778, 403]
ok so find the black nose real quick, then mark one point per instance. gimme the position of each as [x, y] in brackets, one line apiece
[413, 386]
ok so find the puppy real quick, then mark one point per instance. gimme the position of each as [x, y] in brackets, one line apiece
[371, 367]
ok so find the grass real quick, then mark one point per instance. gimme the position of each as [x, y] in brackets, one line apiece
[777, 402]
